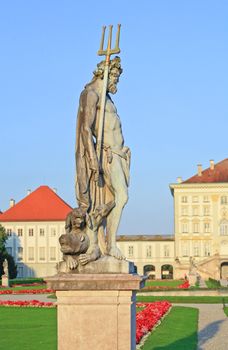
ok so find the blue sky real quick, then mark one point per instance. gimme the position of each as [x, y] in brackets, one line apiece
[172, 97]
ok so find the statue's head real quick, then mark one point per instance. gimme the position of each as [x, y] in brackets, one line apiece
[78, 218]
[114, 73]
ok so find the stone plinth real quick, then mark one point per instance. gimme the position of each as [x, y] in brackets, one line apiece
[5, 281]
[105, 264]
[96, 311]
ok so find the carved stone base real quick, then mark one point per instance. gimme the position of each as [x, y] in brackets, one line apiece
[96, 311]
[106, 264]
[5, 281]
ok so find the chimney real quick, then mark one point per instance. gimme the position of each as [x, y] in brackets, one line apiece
[28, 192]
[54, 190]
[212, 164]
[12, 203]
[199, 169]
[179, 180]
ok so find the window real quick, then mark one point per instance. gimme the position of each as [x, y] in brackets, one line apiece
[206, 227]
[207, 249]
[184, 211]
[196, 249]
[185, 249]
[20, 271]
[42, 253]
[224, 228]
[41, 232]
[148, 251]
[130, 251]
[52, 253]
[206, 211]
[184, 228]
[19, 253]
[205, 199]
[9, 250]
[195, 199]
[224, 200]
[31, 253]
[184, 199]
[195, 227]
[9, 232]
[20, 232]
[166, 250]
[53, 232]
[30, 232]
[195, 211]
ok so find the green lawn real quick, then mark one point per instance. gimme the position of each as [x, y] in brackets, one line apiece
[184, 299]
[226, 310]
[177, 331]
[28, 287]
[166, 283]
[28, 328]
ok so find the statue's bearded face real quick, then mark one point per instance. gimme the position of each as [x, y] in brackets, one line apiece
[113, 80]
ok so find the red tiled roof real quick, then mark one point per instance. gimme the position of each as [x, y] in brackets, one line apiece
[218, 174]
[43, 204]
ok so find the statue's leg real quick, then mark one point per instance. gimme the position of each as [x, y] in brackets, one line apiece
[120, 191]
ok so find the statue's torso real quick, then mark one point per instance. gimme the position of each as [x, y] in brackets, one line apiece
[112, 134]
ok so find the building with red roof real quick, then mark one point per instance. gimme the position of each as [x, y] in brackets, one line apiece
[201, 221]
[34, 225]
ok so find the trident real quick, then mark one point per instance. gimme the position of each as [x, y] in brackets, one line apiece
[108, 52]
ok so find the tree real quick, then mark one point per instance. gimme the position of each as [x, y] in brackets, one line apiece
[5, 255]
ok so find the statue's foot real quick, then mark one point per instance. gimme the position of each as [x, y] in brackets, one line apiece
[71, 263]
[114, 251]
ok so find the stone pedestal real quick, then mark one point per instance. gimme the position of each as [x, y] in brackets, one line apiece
[96, 311]
[5, 281]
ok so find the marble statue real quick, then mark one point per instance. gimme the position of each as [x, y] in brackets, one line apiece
[5, 268]
[102, 168]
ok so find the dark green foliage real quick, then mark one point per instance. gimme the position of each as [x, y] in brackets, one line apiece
[211, 283]
[26, 280]
[4, 255]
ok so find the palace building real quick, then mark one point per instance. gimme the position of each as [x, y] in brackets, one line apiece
[33, 226]
[200, 239]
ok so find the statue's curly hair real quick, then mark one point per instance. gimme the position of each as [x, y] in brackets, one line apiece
[114, 64]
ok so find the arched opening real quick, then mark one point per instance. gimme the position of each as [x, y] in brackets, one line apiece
[224, 270]
[167, 272]
[149, 270]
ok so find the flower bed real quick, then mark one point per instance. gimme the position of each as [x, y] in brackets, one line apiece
[27, 291]
[149, 317]
[27, 303]
[184, 285]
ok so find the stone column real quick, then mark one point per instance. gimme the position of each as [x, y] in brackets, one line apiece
[96, 311]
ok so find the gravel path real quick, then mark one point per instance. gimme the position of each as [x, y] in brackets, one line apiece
[213, 326]
[40, 297]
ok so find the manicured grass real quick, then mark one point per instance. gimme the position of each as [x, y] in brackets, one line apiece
[28, 287]
[28, 328]
[184, 299]
[177, 331]
[226, 310]
[166, 283]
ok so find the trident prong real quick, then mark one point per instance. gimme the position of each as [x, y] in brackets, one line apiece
[102, 38]
[109, 51]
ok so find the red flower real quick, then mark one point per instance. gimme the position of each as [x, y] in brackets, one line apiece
[27, 303]
[149, 317]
